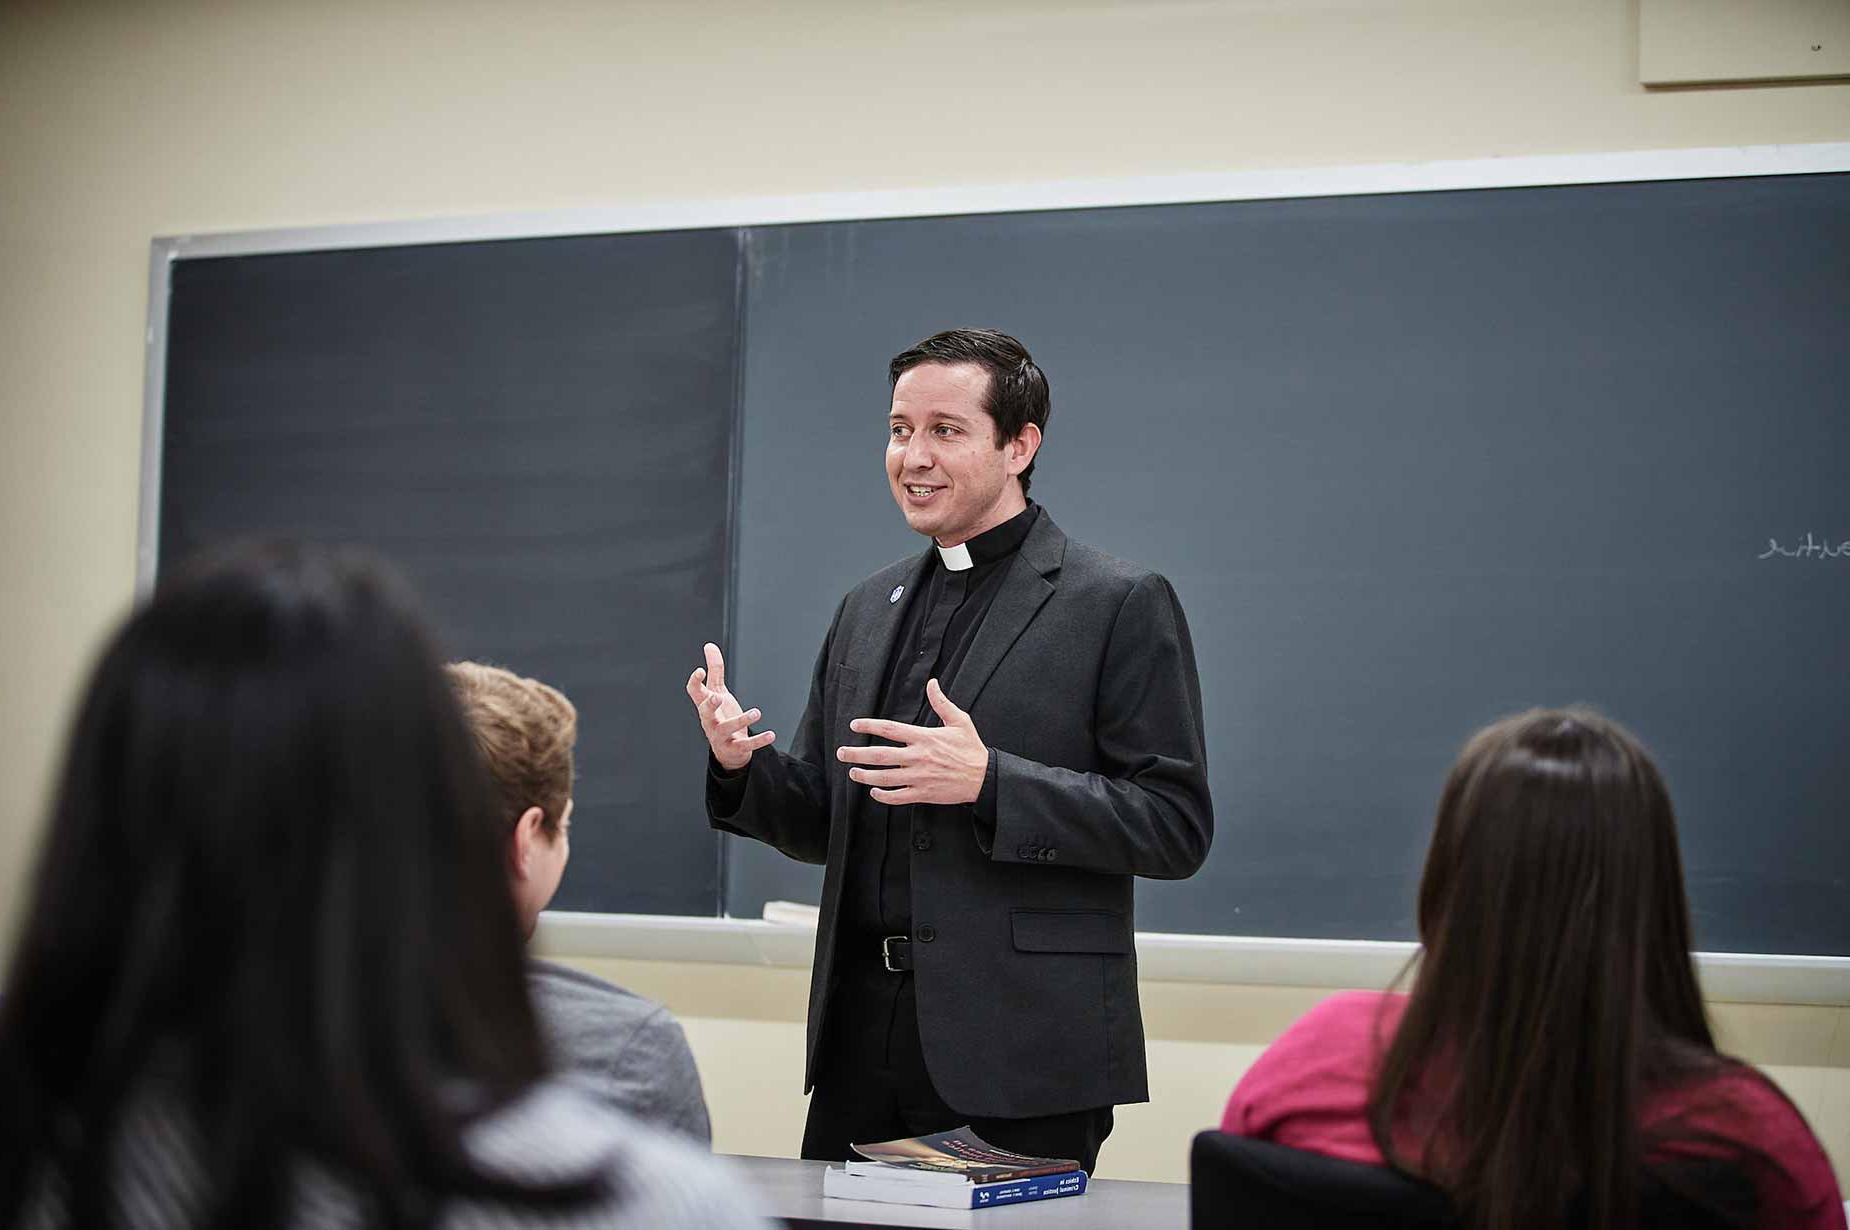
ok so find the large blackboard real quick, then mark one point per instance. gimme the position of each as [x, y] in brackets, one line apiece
[540, 433]
[1413, 461]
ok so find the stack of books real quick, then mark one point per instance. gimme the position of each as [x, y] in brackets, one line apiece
[951, 1170]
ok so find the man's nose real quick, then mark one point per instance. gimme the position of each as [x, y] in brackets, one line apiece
[918, 453]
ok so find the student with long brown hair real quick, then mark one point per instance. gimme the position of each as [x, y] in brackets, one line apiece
[1553, 1060]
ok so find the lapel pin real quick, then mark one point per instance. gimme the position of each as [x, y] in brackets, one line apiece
[894, 596]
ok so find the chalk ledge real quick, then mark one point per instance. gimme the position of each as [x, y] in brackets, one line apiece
[1161, 957]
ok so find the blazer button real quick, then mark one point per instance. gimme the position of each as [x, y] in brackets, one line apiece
[921, 841]
[927, 934]
[1050, 854]
[1024, 851]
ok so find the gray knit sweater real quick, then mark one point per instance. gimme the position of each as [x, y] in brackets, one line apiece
[657, 1181]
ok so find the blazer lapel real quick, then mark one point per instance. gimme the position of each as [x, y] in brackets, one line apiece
[1027, 586]
[873, 645]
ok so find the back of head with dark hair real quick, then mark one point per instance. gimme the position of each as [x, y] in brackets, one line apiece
[1555, 988]
[1017, 393]
[272, 873]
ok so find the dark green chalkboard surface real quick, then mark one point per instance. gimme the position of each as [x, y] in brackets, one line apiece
[539, 432]
[1412, 460]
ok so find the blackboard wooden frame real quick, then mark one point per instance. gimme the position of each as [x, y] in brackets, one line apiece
[1769, 977]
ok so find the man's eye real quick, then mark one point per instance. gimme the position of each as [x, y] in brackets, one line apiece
[947, 431]
[897, 432]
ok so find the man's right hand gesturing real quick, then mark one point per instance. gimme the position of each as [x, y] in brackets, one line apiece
[727, 726]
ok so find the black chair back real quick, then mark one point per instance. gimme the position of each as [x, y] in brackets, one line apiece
[1697, 1194]
[1235, 1182]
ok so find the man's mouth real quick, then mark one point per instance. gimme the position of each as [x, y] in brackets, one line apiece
[918, 492]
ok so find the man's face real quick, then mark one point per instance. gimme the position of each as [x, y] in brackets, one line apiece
[942, 462]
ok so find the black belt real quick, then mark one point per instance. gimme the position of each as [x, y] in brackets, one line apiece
[896, 954]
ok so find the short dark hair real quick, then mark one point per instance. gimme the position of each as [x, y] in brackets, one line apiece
[1017, 388]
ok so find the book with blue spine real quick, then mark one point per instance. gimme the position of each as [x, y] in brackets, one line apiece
[952, 1170]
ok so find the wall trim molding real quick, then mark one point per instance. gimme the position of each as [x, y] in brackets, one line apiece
[1529, 171]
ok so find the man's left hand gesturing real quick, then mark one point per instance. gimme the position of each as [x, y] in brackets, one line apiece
[933, 764]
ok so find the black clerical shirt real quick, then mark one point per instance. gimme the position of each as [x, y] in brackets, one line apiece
[935, 634]
[936, 631]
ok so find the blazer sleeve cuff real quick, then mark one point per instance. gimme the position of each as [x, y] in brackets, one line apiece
[725, 789]
[1009, 843]
[983, 811]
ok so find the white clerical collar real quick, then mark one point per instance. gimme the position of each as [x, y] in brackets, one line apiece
[955, 559]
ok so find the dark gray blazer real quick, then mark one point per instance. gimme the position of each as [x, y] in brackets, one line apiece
[1082, 680]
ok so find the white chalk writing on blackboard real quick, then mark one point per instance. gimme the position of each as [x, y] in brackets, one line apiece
[1811, 548]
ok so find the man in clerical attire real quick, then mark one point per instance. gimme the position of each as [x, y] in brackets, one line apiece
[1001, 731]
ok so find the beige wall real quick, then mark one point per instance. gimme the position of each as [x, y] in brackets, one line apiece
[119, 122]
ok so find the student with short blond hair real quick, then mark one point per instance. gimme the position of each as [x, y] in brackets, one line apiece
[526, 732]
[627, 1049]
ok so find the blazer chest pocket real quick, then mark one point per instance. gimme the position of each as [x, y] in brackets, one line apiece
[1100, 931]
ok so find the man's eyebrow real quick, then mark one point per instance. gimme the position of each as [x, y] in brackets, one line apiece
[948, 416]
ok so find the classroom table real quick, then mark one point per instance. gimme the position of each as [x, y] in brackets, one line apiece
[792, 1191]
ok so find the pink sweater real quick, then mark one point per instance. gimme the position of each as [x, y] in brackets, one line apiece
[1309, 1090]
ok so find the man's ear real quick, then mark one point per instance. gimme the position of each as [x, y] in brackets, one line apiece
[520, 849]
[1022, 448]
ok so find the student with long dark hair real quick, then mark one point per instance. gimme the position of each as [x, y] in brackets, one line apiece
[270, 973]
[1553, 1057]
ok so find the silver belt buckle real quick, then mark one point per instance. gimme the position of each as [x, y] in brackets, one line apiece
[886, 953]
